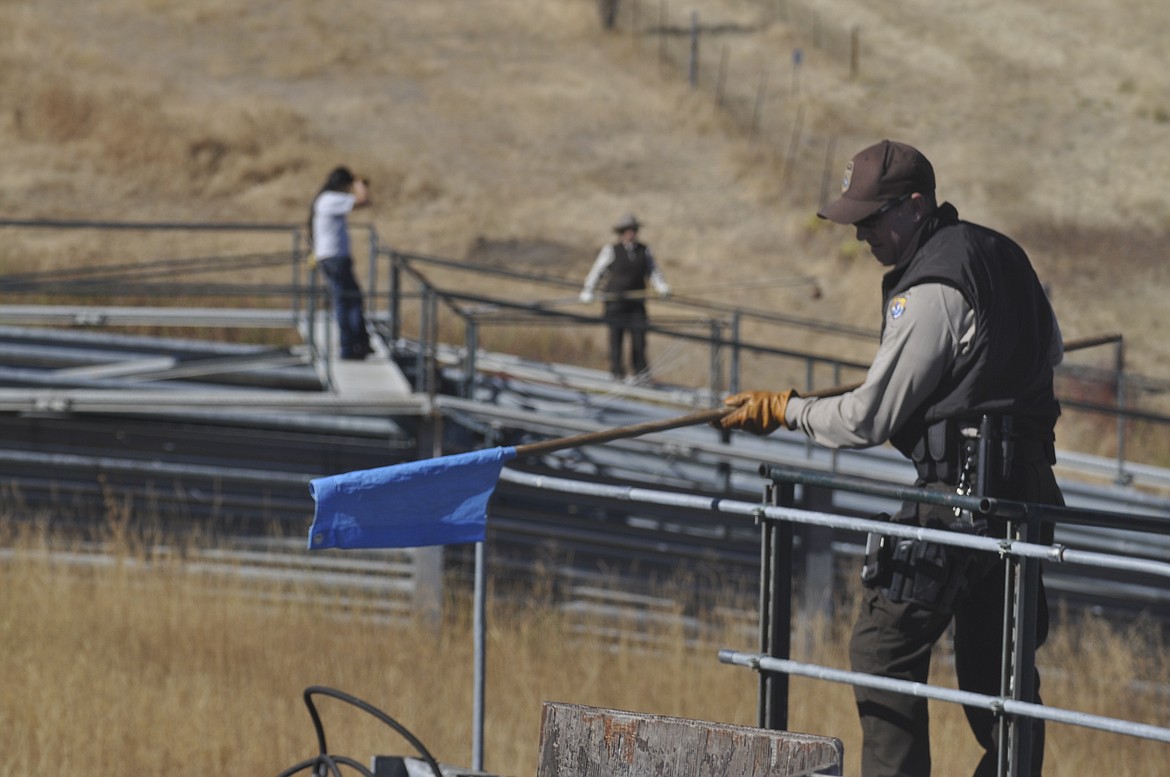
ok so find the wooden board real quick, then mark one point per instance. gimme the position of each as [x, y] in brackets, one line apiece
[579, 741]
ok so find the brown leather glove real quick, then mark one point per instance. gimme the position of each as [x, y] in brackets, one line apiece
[759, 412]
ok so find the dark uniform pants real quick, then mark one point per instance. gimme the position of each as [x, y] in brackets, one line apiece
[895, 640]
[626, 316]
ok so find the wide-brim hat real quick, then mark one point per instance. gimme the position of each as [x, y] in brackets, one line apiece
[629, 221]
[876, 175]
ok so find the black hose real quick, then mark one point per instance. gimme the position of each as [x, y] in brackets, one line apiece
[331, 761]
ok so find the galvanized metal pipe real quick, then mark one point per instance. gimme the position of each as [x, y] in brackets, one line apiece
[760, 661]
[1053, 553]
[1001, 508]
[996, 704]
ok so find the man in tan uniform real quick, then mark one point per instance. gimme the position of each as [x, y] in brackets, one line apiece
[967, 333]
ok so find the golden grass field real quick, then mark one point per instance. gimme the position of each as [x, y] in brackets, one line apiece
[145, 667]
[521, 121]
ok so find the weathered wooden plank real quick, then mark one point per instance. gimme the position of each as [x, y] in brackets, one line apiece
[579, 741]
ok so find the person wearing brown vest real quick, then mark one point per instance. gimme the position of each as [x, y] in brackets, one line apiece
[620, 274]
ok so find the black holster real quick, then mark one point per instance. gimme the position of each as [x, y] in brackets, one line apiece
[927, 574]
[952, 457]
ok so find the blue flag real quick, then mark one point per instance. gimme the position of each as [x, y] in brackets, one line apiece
[438, 501]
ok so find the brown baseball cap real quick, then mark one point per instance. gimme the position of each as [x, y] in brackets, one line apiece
[876, 175]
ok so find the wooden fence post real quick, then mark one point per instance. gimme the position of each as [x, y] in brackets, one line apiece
[694, 67]
[854, 52]
[578, 741]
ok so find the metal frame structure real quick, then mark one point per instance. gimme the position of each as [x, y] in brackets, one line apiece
[776, 521]
[385, 290]
[716, 326]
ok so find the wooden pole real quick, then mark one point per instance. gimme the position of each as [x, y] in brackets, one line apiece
[622, 432]
[649, 427]
[721, 75]
[694, 65]
[854, 53]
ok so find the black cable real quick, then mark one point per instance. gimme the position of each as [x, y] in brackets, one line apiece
[325, 762]
[316, 762]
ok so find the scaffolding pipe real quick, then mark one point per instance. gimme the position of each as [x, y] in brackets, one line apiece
[1055, 553]
[996, 704]
[1000, 705]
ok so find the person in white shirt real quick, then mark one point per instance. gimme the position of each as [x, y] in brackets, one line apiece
[620, 273]
[329, 240]
[968, 340]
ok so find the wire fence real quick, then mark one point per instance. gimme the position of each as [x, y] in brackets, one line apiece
[752, 63]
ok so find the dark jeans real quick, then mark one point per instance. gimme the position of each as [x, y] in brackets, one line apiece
[895, 640]
[347, 305]
[624, 316]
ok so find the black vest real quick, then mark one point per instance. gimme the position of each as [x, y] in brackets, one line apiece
[1007, 369]
[628, 270]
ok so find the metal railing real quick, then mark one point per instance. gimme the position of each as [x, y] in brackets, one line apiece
[299, 300]
[714, 327]
[773, 659]
[395, 279]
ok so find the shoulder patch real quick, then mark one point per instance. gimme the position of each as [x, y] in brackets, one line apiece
[897, 307]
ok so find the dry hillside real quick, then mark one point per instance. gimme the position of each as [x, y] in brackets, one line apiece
[523, 120]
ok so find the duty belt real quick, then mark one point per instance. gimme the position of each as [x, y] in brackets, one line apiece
[944, 453]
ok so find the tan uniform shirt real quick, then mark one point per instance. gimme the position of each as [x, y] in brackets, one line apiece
[927, 328]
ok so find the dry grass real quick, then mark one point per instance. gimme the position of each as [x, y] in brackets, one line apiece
[521, 121]
[142, 667]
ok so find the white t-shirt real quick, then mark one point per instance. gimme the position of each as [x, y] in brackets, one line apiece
[330, 236]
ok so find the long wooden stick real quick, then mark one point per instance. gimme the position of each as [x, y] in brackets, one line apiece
[647, 427]
[621, 432]
[715, 413]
